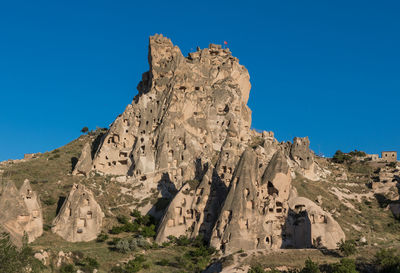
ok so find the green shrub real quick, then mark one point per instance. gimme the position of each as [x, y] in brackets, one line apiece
[347, 248]
[256, 269]
[85, 130]
[132, 266]
[387, 260]
[310, 267]
[49, 201]
[357, 153]
[123, 246]
[122, 219]
[67, 268]
[148, 231]
[13, 259]
[340, 157]
[87, 264]
[344, 266]
[102, 237]
[163, 262]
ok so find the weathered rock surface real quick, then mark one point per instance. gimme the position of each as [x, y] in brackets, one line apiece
[80, 217]
[309, 226]
[189, 127]
[20, 212]
[84, 164]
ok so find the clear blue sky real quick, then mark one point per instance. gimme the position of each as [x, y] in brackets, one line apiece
[329, 70]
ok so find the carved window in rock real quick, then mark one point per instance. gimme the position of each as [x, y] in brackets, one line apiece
[81, 223]
[142, 149]
[35, 213]
[123, 162]
[86, 202]
[271, 189]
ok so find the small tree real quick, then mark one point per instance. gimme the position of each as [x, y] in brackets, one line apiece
[345, 266]
[310, 267]
[85, 130]
[340, 157]
[387, 260]
[347, 248]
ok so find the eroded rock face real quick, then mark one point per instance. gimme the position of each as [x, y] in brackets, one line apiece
[309, 226]
[84, 164]
[20, 212]
[80, 217]
[189, 129]
[255, 208]
[186, 109]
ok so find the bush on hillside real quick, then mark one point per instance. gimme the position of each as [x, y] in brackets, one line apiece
[347, 248]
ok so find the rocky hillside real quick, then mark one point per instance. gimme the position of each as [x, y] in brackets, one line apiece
[181, 173]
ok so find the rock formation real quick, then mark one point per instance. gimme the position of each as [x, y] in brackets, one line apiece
[20, 212]
[80, 217]
[189, 126]
[309, 226]
[84, 164]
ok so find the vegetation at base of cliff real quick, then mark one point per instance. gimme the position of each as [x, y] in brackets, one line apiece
[13, 259]
[141, 225]
[80, 262]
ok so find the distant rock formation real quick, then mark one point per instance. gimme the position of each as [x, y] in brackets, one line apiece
[20, 212]
[189, 127]
[80, 217]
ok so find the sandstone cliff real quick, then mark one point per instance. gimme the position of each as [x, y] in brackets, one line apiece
[189, 127]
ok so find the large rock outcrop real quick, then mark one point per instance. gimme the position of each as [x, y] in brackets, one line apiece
[80, 217]
[186, 109]
[20, 212]
[189, 127]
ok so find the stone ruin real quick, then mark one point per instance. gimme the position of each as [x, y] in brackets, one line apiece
[20, 212]
[80, 217]
[190, 123]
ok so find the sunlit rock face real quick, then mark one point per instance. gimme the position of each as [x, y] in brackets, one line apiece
[186, 109]
[80, 217]
[189, 129]
[20, 212]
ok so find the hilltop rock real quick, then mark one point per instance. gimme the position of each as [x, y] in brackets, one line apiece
[20, 212]
[186, 109]
[80, 217]
[186, 136]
